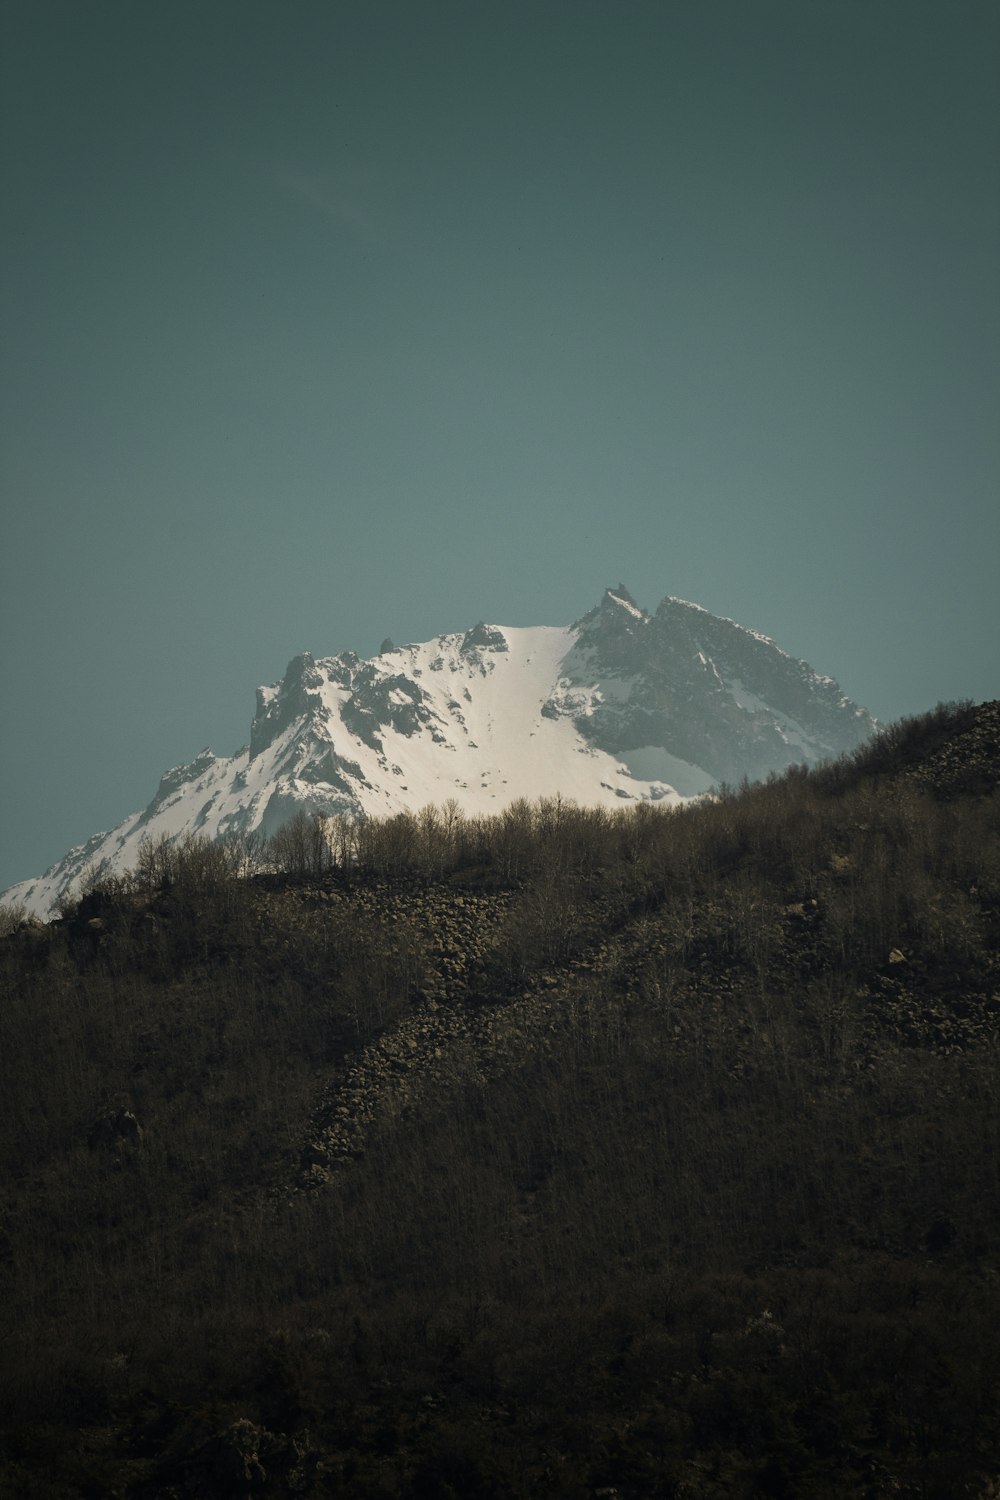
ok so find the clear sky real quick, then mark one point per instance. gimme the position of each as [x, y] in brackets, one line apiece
[330, 321]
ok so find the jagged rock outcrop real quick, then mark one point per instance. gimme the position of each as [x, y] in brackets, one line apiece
[704, 689]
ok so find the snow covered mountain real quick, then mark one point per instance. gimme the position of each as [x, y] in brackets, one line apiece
[622, 706]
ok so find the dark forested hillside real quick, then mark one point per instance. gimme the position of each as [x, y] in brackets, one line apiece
[562, 1153]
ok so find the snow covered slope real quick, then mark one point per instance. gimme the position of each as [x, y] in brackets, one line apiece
[619, 707]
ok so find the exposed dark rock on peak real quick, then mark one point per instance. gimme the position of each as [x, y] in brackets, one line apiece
[703, 688]
[618, 599]
[484, 637]
[172, 781]
[297, 694]
[380, 702]
[617, 609]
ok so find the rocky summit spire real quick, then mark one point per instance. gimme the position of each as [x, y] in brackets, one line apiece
[620, 595]
[616, 604]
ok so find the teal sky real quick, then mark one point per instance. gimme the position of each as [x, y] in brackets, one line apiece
[330, 321]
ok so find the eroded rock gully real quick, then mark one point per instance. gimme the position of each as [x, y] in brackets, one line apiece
[453, 1032]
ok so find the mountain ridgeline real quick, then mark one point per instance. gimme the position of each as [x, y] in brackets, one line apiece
[638, 1150]
[621, 708]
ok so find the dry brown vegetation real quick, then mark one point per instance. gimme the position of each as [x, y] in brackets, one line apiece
[543, 1155]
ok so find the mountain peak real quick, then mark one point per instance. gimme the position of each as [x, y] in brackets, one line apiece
[620, 598]
[617, 607]
[622, 707]
[619, 595]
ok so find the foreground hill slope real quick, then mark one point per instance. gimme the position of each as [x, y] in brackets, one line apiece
[621, 707]
[650, 1152]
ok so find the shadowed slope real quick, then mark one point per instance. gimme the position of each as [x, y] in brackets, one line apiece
[567, 1152]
